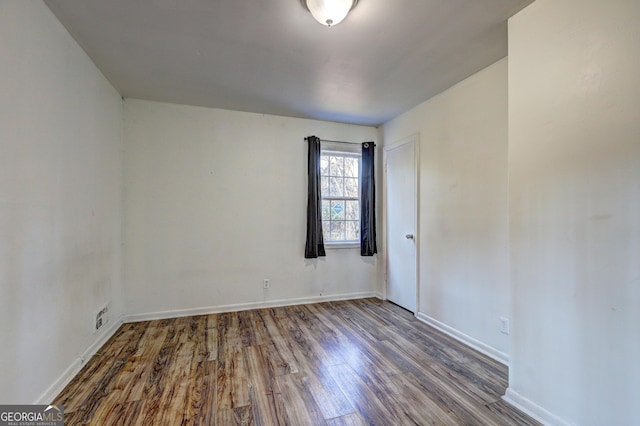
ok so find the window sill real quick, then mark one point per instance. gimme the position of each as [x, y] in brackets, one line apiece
[338, 246]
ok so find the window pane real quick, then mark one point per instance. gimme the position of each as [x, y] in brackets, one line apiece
[326, 210]
[352, 230]
[352, 211]
[326, 230]
[351, 187]
[340, 179]
[337, 210]
[324, 165]
[336, 187]
[324, 186]
[336, 166]
[337, 231]
[351, 167]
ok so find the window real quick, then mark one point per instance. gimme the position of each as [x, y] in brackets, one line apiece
[340, 187]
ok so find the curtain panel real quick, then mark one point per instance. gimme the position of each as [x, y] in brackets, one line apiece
[314, 246]
[368, 246]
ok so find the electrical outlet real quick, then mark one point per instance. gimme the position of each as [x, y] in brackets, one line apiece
[504, 325]
[266, 283]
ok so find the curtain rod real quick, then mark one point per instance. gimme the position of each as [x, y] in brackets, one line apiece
[350, 143]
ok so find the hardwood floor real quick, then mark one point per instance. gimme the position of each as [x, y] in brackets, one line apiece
[339, 363]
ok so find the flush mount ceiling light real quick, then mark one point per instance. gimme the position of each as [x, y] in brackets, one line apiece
[329, 12]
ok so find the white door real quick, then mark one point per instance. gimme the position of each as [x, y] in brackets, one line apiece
[401, 223]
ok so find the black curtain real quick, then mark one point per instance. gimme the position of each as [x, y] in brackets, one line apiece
[368, 245]
[315, 242]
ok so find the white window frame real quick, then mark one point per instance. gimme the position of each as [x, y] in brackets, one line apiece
[343, 150]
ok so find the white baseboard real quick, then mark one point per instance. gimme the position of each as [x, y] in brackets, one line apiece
[489, 351]
[532, 409]
[245, 306]
[49, 395]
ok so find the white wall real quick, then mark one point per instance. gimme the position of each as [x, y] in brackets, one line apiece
[216, 201]
[463, 205]
[574, 170]
[60, 200]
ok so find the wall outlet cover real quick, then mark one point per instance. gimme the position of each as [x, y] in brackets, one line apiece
[504, 325]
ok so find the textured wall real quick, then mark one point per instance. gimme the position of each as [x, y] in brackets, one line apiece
[574, 175]
[60, 200]
[216, 201]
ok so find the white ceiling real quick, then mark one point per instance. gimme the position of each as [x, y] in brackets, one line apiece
[271, 56]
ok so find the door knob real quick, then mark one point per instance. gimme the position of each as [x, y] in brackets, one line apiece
[409, 236]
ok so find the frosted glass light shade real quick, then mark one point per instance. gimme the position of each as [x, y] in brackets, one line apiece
[330, 12]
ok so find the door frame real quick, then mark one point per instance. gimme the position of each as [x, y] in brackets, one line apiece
[415, 138]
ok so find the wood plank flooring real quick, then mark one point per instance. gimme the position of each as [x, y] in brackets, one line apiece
[340, 363]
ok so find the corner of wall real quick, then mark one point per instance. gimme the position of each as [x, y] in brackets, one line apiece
[48, 396]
